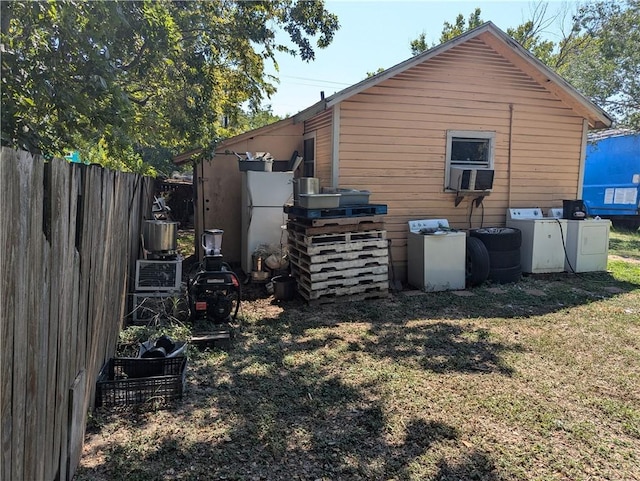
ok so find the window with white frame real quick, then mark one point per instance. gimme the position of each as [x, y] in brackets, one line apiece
[469, 148]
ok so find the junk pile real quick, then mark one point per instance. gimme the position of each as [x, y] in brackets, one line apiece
[155, 376]
[269, 261]
[260, 161]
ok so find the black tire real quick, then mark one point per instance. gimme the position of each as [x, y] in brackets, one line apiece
[477, 262]
[503, 259]
[498, 238]
[505, 276]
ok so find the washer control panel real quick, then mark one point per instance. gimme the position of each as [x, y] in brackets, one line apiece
[555, 213]
[521, 214]
[416, 226]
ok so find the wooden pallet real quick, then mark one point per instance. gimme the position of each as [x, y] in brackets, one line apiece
[341, 255]
[338, 247]
[341, 261]
[337, 221]
[356, 292]
[362, 280]
[334, 259]
[309, 240]
[315, 278]
[295, 226]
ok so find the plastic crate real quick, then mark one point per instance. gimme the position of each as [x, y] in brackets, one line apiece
[255, 165]
[127, 381]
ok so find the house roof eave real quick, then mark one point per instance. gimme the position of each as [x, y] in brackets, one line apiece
[405, 65]
[596, 116]
[310, 112]
[252, 133]
[186, 156]
[495, 38]
[511, 49]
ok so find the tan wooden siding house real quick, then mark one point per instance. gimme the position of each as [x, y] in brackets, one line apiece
[398, 133]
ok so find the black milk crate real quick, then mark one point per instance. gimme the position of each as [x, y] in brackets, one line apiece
[124, 381]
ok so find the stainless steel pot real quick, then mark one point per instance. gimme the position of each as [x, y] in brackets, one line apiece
[160, 235]
[305, 185]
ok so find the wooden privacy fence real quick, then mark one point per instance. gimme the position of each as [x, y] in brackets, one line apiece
[69, 235]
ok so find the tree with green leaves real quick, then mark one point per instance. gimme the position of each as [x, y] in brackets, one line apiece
[449, 31]
[599, 55]
[113, 78]
[605, 65]
[530, 35]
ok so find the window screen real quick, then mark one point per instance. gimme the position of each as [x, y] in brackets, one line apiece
[309, 157]
[470, 151]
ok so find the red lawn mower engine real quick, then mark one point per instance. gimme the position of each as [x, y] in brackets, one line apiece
[214, 290]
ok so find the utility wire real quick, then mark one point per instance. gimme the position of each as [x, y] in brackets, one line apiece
[316, 80]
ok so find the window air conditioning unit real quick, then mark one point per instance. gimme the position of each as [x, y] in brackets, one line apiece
[158, 275]
[470, 179]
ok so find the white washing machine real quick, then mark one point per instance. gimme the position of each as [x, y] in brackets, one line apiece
[587, 243]
[542, 248]
[436, 256]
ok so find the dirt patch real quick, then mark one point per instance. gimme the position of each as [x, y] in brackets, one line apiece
[613, 289]
[462, 293]
[624, 259]
[535, 292]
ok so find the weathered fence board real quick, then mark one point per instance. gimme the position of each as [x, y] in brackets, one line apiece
[70, 236]
[60, 236]
[9, 203]
[43, 397]
[35, 382]
[53, 427]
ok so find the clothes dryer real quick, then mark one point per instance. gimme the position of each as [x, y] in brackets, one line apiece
[587, 243]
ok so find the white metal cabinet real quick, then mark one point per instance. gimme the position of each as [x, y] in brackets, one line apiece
[587, 245]
[542, 248]
[436, 261]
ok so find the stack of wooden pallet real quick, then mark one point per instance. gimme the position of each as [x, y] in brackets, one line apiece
[339, 257]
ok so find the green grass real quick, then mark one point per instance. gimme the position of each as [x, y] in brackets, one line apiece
[625, 244]
[186, 243]
[538, 380]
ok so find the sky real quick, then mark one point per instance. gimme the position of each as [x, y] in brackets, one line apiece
[376, 34]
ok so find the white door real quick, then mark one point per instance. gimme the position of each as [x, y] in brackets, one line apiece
[263, 196]
[264, 227]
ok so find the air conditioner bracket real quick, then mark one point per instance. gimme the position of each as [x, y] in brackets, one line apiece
[478, 200]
